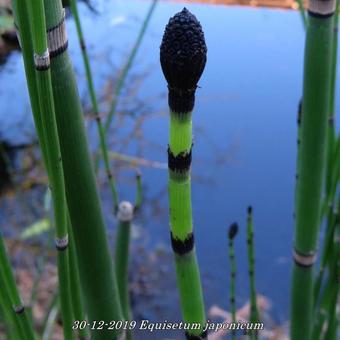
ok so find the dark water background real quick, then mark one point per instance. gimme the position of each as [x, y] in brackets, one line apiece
[244, 145]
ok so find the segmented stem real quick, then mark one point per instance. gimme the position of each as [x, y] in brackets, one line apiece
[97, 274]
[233, 229]
[125, 217]
[127, 66]
[14, 308]
[311, 162]
[254, 315]
[95, 107]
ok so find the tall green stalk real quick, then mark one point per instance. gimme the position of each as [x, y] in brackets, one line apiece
[75, 286]
[125, 217]
[254, 315]
[97, 274]
[12, 324]
[233, 230]
[95, 107]
[333, 163]
[183, 57]
[316, 89]
[54, 164]
[17, 312]
[325, 316]
[127, 66]
[331, 133]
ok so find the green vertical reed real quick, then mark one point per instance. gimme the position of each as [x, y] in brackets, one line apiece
[97, 276]
[254, 315]
[95, 107]
[14, 308]
[125, 217]
[54, 166]
[233, 230]
[316, 87]
[183, 57]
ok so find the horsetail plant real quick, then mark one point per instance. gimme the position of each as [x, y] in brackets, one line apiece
[315, 105]
[233, 230]
[325, 316]
[96, 268]
[254, 315]
[95, 107]
[13, 307]
[125, 217]
[97, 274]
[183, 57]
[54, 164]
[128, 64]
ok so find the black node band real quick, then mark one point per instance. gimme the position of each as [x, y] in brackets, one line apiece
[203, 335]
[59, 51]
[182, 247]
[19, 309]
[42, 68]
[181, 162]
[304, 260]
[181, 101]
[320, 15]
[61, 248]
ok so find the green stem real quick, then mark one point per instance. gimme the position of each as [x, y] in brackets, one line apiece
[232, 233]
[188, 276]
[8, 285]
[125, 217]
[54, 164]
[95, 108]
[97, 274]
[311, 163]
[77, 301]
[254, 315]
[127, 66]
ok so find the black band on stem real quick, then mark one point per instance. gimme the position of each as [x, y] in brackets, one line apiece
[320, 15]
[183, 247]
[304, 260]
[181, 101]
[181, 162]
[19, 309]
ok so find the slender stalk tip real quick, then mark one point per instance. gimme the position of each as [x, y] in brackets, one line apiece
[233, 230]
[183, 55]
[250, 210]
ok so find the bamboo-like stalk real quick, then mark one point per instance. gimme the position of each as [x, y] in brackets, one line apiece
[75, 287]
[97, 274]
[183, 57]
[12, 325]
[54, 164]
[10, 294]
[331, 133]
[125, 217]
[95, 107]
[254, 315]
[326, 313]
[38, 83]
[311, 162]
[233, 230]
[127, 66]
[333, 163]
